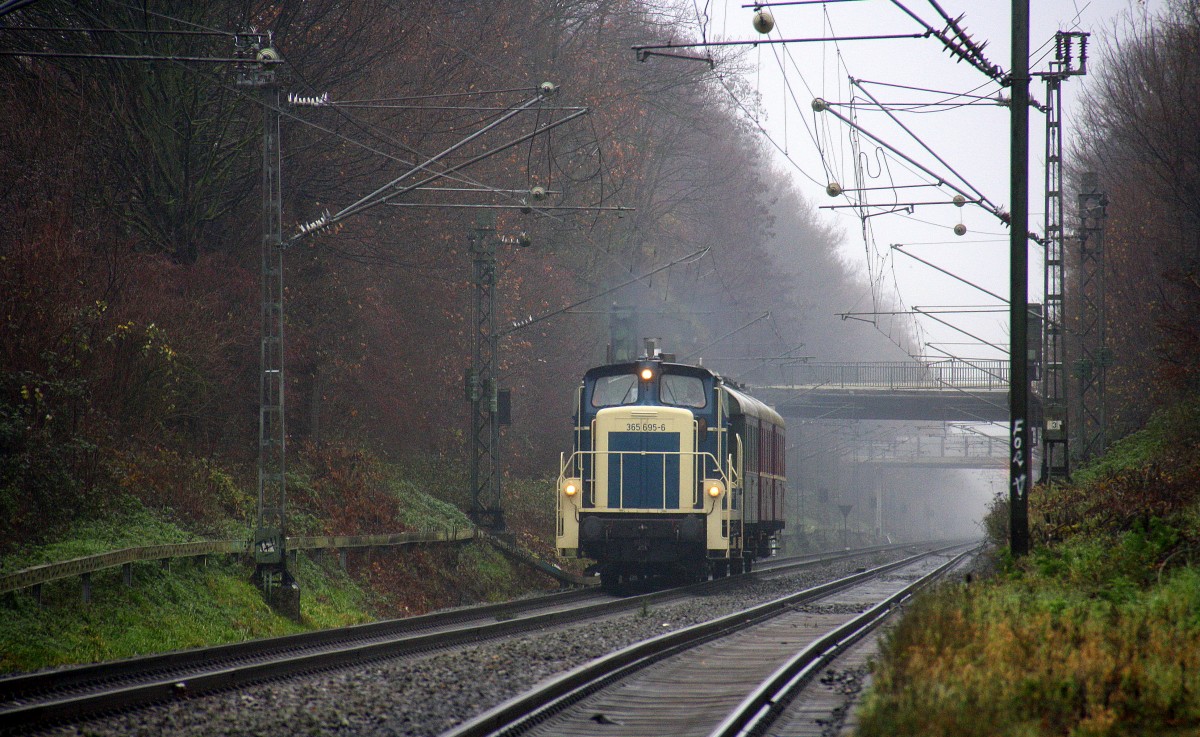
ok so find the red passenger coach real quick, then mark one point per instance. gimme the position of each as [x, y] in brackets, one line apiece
[764, 481]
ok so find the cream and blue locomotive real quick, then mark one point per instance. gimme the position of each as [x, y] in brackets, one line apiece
[673, 472]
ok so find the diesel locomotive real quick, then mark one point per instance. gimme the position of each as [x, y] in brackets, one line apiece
[673, 471]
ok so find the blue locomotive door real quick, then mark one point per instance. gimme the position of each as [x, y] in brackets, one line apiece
[649, 481]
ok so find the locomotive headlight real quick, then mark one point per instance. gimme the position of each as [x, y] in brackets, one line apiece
[714, 488]
[647, 374]
[571, 487]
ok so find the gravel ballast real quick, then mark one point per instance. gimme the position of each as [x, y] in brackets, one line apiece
[427, 695]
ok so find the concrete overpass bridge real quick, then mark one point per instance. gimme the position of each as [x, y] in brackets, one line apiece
[941, 391]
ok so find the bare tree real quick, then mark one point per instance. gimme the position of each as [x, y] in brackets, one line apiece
[1140, 133]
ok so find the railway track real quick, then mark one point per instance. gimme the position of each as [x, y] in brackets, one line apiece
[700, 680]
[43, 699]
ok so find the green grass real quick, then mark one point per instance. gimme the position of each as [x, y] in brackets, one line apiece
[1096, 632]
[130, 525]
[189, 605]
[421, 511]
[489, 570]
[1167, 429]
[1032, 657]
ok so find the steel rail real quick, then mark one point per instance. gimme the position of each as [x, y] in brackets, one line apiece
[18, 687]
[526, 710]
[65, 695]
[759, 710]
[71, 694]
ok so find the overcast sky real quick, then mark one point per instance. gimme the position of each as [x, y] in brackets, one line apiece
[974, 140]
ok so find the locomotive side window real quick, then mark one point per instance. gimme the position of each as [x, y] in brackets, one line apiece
[611, 391]
[683, 391]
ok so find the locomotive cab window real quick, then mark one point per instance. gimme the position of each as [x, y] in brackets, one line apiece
[611, 391]
[683, 391]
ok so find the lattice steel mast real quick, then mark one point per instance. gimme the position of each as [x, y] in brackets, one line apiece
[481, 384]
[270, 533]
[1091, 369]
[1055, 431]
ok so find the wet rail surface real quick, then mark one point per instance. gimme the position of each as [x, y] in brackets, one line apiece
[47, 698]
[689, 682]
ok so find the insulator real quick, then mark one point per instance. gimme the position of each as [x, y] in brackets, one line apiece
[320, 100]
[309, 227]
[763, 21]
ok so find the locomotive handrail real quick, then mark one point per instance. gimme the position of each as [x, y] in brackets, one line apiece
[88, 564]
[738, 472]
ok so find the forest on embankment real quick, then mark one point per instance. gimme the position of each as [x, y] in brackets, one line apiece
[131, 266]
[130, 273]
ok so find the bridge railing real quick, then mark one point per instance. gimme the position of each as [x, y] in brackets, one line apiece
[965, 446]
[992, 374]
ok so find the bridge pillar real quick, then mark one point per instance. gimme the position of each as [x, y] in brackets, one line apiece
[877, 483]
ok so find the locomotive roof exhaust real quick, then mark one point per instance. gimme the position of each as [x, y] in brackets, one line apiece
[653, 352]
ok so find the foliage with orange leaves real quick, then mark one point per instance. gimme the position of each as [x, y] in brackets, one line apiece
[345, 489]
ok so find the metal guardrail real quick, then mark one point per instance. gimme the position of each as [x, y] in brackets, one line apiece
[334, 542]
[86, 565]
[521, 556]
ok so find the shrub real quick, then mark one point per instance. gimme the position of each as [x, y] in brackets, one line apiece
[345, 489]
[49, 471]
[194, 491]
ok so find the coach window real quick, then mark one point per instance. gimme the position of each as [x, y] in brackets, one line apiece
[613, 390]
[683, 391]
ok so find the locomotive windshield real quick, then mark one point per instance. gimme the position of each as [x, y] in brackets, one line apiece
[683, 391]
[610, 391]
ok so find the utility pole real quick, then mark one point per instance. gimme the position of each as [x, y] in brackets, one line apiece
[255, 62]
[271, 575]
[1018, 395]
[845, 510]
[489, 405]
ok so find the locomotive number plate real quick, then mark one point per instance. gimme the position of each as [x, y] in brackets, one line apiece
[646, 427]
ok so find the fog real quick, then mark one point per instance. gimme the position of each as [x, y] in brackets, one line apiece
[896, 481]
